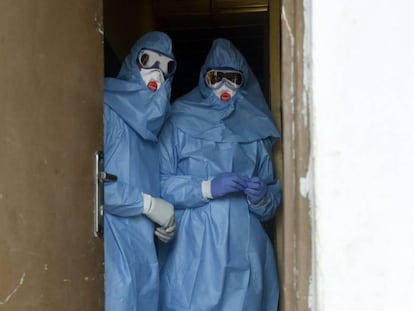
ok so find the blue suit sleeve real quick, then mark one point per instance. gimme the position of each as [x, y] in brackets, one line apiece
[267, 209]
[120, 198]
[183, 191]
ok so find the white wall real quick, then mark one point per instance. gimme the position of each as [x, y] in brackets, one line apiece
[363, 150]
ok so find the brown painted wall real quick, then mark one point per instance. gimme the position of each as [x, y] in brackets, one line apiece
[51, 60]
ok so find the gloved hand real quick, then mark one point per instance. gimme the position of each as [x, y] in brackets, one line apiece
[166, 233]
[256, 190]
[162, 213]
[227, 183]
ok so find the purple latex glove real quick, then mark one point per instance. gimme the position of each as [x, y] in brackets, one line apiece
[256, 190]
[227, 183]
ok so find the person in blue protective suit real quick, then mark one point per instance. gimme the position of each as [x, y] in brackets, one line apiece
[136, 104]
[217, 171]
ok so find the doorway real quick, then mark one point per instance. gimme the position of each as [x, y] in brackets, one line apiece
[255, 29]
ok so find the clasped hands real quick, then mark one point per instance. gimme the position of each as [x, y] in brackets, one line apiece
[254, 188]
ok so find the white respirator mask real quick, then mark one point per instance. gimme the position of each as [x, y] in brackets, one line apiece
[153, 78]
[225, 92]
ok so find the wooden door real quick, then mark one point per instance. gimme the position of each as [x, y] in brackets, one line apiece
[51, 88]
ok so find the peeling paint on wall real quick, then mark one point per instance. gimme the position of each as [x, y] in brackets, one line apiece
[285, 20]
[307, 61]
[99, 25]
[14, 291]
[307, 182]
[292, 54]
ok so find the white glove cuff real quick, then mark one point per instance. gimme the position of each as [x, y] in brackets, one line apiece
[147, 202]
[158, 210]
[206, 189]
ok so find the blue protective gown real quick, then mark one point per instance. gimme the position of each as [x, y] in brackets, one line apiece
[221, 258]
[133, 116]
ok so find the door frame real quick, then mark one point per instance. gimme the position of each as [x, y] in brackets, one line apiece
[289, 29]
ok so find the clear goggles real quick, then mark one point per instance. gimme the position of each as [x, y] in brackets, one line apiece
[215, 78]
[150, 59]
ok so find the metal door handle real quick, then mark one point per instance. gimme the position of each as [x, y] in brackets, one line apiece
[104, 176]
[100, 178]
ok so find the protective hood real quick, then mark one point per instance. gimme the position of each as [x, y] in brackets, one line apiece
[143, 110]
[245, 118]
